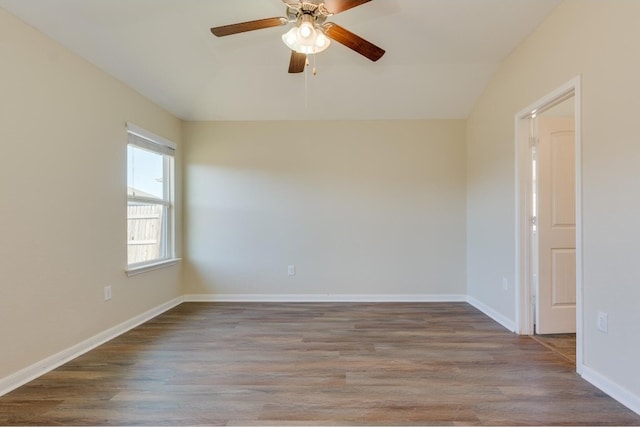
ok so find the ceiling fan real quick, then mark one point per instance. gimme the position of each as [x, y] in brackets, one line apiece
[311, 33]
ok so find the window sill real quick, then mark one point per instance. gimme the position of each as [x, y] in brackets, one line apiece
[139, 269]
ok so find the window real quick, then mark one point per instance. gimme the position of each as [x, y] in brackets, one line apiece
[150, 196]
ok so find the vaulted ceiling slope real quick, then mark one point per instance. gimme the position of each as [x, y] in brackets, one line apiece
[440, 54]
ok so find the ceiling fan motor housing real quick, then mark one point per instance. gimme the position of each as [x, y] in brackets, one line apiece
[319, 13]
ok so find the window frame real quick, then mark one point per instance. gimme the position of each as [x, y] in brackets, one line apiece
[142, 139]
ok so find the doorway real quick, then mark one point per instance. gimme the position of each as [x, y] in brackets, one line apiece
[548, 220]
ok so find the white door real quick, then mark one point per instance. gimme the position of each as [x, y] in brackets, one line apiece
[556, 307]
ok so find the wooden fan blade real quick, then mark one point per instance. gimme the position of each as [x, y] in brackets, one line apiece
[298, 62]
[337, 6]
[353, 41]
[227, 30]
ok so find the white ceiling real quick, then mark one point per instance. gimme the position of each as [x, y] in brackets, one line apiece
[440, 55]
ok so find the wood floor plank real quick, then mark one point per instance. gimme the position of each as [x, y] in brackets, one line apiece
[316, 364]
[564, 344]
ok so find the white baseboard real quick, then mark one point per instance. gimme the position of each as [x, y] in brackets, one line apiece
[324, 298]
[42, 367]
[614, 390]
[500, 318]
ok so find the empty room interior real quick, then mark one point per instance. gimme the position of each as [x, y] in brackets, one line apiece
[418, 217]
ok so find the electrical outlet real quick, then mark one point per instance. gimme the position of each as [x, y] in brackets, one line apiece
[291, 270]
[107, 293]
[505, 284]
[603, 322]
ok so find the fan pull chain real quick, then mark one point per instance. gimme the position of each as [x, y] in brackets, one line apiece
[306, 82]
[314, 71]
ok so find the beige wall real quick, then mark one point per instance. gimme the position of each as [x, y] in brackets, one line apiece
[63, 209]
[597, 40]
[359, 207]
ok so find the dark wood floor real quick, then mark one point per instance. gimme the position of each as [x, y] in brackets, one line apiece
[319, 364]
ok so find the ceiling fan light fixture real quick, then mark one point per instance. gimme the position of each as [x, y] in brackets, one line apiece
[305, 38]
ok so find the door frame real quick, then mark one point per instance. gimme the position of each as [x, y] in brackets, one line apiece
[523, 175]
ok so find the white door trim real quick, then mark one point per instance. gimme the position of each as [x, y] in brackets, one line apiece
[523, 288]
